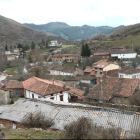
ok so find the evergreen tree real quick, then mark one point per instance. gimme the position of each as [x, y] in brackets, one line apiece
[19, 46]
[47, 43]
[32, 45]
[87, 49]
[30, 59]
[83, 50]
[43, 42]
[6, 47]
[26, 47]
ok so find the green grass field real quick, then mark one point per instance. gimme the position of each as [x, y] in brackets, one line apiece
[14, 69]
[65, 46]
[32, 134]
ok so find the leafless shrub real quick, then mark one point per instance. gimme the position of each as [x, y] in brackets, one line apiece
[83, 128]
[2, 135]
[135, 136]
[37, 120]
[80, 129]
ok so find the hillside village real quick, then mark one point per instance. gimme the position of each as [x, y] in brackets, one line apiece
[51, 84]
[105, 78]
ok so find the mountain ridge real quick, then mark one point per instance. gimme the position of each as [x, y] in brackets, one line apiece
[13, 32]
[72, 32]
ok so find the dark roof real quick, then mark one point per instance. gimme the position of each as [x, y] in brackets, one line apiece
[64, 69]
[69, 69]
[118, 47]
[129, 70]
[125, 51]
[57, 68]
[113, 74]
[114, 87]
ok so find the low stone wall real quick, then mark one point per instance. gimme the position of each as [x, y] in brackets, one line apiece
[4, 97]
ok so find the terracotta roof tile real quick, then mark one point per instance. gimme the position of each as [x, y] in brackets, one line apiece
[128, 70]
[47, 87]
[114, 87]
[13, 84]
[88, 69]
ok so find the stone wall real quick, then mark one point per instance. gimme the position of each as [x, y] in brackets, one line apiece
[4, 97]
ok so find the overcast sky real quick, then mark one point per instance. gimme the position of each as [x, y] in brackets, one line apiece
[73, 12]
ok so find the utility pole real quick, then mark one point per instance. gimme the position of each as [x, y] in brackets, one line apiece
[101, 91]
[132, 44]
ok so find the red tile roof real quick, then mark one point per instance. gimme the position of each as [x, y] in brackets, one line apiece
[102, 53]
[92, 73]
[114, 87]
[47, 87]
[13, 84]
[88, 69]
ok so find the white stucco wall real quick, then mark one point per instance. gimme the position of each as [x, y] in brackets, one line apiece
[123, 75]
[56, 96]
[54, 72]
[124, 56]
[30, 93]
[86, 81]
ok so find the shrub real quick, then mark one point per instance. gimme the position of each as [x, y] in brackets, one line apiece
[83, 128]
[37, 120]
[80, 129]
[12, 101]
[2, 135]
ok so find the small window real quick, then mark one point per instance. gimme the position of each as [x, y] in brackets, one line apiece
[100, 72]
[134, 76]
[33, 96]
[121, 76]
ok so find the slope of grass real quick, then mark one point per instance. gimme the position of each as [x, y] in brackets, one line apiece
[33, 134]
[65, 46]
[127, 41]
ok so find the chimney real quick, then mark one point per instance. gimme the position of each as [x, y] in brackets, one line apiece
[64, 85]
[131, 88]
[53, 81]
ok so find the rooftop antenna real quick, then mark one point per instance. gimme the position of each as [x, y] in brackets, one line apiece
[132, 44]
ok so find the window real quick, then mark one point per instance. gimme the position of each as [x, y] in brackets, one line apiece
[121, 76]
[33, 96]
[61, 98]
[134, 76]
[100, 72]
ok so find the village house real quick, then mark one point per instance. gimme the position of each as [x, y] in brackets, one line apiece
[114, 90]
[129, 72]
[39, 88]
[123, 54]
[66, 58]
[118, 47]
[89, 71]
[10, 57]
[15, 88]
[103, 68]
[66, 71]
[53, 43]
[103, 55]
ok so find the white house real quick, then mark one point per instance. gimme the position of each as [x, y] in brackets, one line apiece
[66, 71]
[128, 72]
[123, 54]
[56, 90]
[53, 43]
